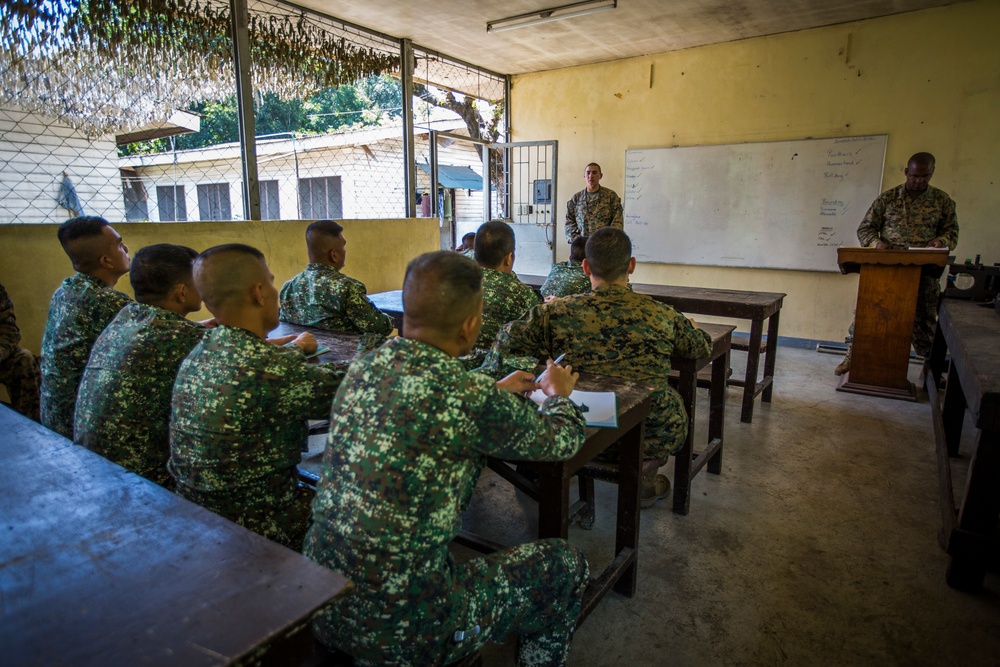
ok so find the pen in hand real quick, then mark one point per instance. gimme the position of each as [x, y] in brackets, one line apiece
[554, 363]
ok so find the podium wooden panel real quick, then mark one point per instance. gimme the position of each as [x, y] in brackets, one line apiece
[883, 321]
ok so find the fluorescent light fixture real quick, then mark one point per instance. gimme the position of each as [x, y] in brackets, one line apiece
[551, 14]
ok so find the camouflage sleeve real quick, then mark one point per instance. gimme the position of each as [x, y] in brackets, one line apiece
[10, 335]
[870, 229]
[524, 337]
[617, 217]
[572, 225]
[948, 226]
[363, 313]
[518, 430]
[307, 389]
[689, 342]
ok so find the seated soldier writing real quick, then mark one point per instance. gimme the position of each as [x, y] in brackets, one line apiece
[80, 309]
[505, 298]
[568, 277]
[410, 432]
[323, 297]
[18, 366]
[240, 405]
[123, 406]
[613, 331]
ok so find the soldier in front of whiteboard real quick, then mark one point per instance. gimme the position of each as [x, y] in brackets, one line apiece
[912, 215]
[593, 207]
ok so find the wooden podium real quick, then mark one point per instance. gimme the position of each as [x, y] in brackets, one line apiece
[883, 321]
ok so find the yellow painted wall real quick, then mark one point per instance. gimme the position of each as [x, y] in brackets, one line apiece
[32, 264]
[928, 79]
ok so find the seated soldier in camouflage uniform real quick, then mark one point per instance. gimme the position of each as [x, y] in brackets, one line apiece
[123, 406]
[240, 404]
[18, 368]
[568, 277]
[613, 331]
[323, 297]
[410, 432]
[80, 309]
[505, 298]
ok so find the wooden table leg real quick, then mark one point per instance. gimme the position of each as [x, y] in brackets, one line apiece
[553, 503]
[627, 531]
[953, 413]
[977, 515]
[753, 361]
[717, 410]
[686, 386]
[770, 353]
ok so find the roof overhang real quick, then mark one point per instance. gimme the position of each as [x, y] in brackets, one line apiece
[181, 122]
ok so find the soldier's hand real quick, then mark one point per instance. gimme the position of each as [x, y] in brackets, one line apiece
[693, 323]
[306, 342]
[558, 380]
[519, 382]
[281, 340]
[936, 243]
[881, 245]
[551, 298]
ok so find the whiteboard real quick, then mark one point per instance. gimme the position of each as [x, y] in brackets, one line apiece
[781, 204]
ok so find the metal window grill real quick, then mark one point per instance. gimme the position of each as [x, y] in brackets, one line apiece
[151, 133]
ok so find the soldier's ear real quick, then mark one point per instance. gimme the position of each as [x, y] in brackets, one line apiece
[631, 265]
[586, 268]
[257, 294]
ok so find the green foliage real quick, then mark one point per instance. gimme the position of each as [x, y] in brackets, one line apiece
[376, 100]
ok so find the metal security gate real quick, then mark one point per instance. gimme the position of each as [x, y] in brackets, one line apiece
[517, 183]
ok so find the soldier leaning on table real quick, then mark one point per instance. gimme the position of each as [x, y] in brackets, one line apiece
[410, 432]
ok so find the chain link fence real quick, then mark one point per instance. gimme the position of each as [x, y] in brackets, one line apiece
[151, 132]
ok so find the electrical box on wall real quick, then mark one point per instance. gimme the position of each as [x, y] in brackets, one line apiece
[543, 191]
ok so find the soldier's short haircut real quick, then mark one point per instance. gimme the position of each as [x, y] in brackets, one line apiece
[80, 238]
[608, 253]
[223, 272]
[320, 236]
[593, 164]
[441, 289]
[157, 269]
[471, 236]
[578, 248]
[923, 159]
[494, 241]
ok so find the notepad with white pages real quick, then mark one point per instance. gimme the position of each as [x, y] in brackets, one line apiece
[600, 408]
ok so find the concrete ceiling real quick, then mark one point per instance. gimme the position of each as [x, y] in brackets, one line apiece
[636, 27]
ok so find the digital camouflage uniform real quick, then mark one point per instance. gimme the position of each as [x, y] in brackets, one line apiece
[566, 278]
[903, 222]
[123, 407]
[470, 253]
[80, 309]
[505, 298]
[587, 212]
[237, 427]
[410, 432]
[18, 367]
[323, 297]
[613, 331]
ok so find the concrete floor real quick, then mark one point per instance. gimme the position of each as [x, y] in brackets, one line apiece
[816, 545]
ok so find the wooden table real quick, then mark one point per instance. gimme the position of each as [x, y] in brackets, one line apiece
[555, 513]
[343, 346]
[99, 566]
[688, 462]
[971, 333]
[758, 307]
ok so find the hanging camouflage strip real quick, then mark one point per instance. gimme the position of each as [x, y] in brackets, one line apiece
[106, 65]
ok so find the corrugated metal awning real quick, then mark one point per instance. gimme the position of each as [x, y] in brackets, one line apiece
[456, 178]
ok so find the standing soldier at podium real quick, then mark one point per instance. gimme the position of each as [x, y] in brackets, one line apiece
[912, 215]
